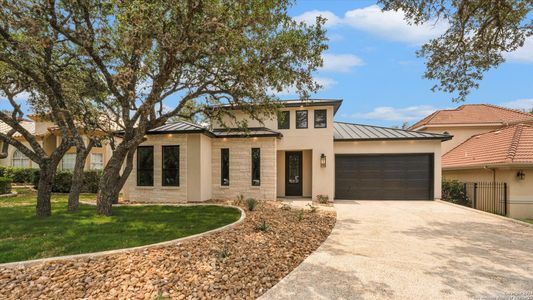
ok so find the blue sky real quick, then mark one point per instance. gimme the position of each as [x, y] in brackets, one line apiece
[371, 64]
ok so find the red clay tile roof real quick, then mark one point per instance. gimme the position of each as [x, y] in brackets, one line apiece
[509, 145]
[475, 114]
[29, 125]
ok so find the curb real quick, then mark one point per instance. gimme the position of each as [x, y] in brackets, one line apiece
[488, 214]
[27, 263]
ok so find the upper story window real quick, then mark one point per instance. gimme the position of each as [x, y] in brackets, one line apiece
[20, 160]
[171, 166]
[224, 166]
[256, 166]
[321, 118]
[284, 119]
[301, 119]
[145, 166]
[97, 161]
[68, 161]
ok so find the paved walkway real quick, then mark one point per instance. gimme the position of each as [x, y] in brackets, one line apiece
[415, 250]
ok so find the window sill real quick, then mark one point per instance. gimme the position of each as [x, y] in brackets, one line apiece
[144, 187]
[255, 187]
[224, 186]
[170, 187]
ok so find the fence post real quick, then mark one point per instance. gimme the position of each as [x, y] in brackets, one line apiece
[505, 198]
[475, 196]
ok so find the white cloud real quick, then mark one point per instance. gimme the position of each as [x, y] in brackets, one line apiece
[340, 62]
[389, 25]
[388, 113]
[521, 104]
[309, 17]
[325, 82]
[523, 54]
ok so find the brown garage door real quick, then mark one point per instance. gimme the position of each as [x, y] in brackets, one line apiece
[384, 177]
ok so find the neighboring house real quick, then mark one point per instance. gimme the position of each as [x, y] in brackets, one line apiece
[468, 120]
[304, 153]
[490, 144]
[49, 136]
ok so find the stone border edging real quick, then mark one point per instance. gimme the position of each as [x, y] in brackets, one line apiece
[27, 263]
[13, 194]
[488, 214]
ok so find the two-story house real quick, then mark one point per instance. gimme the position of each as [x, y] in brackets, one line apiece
[48, 136]
[301, 153]
[490, 144]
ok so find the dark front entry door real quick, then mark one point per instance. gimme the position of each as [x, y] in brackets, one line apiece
[293, 173]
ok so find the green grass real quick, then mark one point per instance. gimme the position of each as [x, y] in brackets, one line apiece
[24, 236]
[528, 221]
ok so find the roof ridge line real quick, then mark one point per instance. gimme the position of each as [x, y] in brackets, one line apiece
[514, 143]
[507, 108]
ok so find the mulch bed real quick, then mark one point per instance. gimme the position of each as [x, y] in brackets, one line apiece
[240, 263]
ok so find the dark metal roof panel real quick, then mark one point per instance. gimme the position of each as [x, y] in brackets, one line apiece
[353, 132]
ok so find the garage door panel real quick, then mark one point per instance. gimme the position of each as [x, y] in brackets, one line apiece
[386, 177]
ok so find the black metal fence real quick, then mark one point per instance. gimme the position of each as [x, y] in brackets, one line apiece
[488, 196]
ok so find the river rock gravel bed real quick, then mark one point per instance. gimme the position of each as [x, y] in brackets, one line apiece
[239, 263]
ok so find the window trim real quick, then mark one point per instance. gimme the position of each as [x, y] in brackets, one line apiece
[222, 183]
[153, 162]
[288, 112]
[306, 116]
[163, 165]
[258, 166]
[325, 118]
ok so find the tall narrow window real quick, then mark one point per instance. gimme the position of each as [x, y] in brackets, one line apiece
[171, 166]
[224, 166]
[301, 119]
[256, 166]
[145, 166]
[284, 119]
[321, 120]
[20, 160]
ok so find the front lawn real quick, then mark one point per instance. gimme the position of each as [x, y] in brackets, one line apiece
[24, 236]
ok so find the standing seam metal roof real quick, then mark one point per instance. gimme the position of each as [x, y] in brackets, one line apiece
[352, 132]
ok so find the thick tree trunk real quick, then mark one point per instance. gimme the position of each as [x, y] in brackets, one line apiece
[77, 179]
[44, 189]
[109, 186]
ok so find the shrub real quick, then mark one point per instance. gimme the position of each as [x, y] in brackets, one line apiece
[285, 206]
[5, 185]
[323, 199]
[312, 208]
[239, 200]
[454, 191]
[251, 203]
[300, 215]
[263, 226]
[63, 181]
[19, 175]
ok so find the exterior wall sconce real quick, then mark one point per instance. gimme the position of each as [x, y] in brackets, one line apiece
[521, 175]
[322, 160]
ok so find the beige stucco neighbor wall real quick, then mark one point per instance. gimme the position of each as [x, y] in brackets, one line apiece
[241, 168]
[392, 147]
[460, 134]
[159, 193]
[519, 192]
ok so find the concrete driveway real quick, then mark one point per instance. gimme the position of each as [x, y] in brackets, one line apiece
[415, 250]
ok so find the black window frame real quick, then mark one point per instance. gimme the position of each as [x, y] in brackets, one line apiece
[306, 119]
[286, 119]
[256, 167]
[325, 111]
[141, 170]
[165, 170]
[224, 169]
